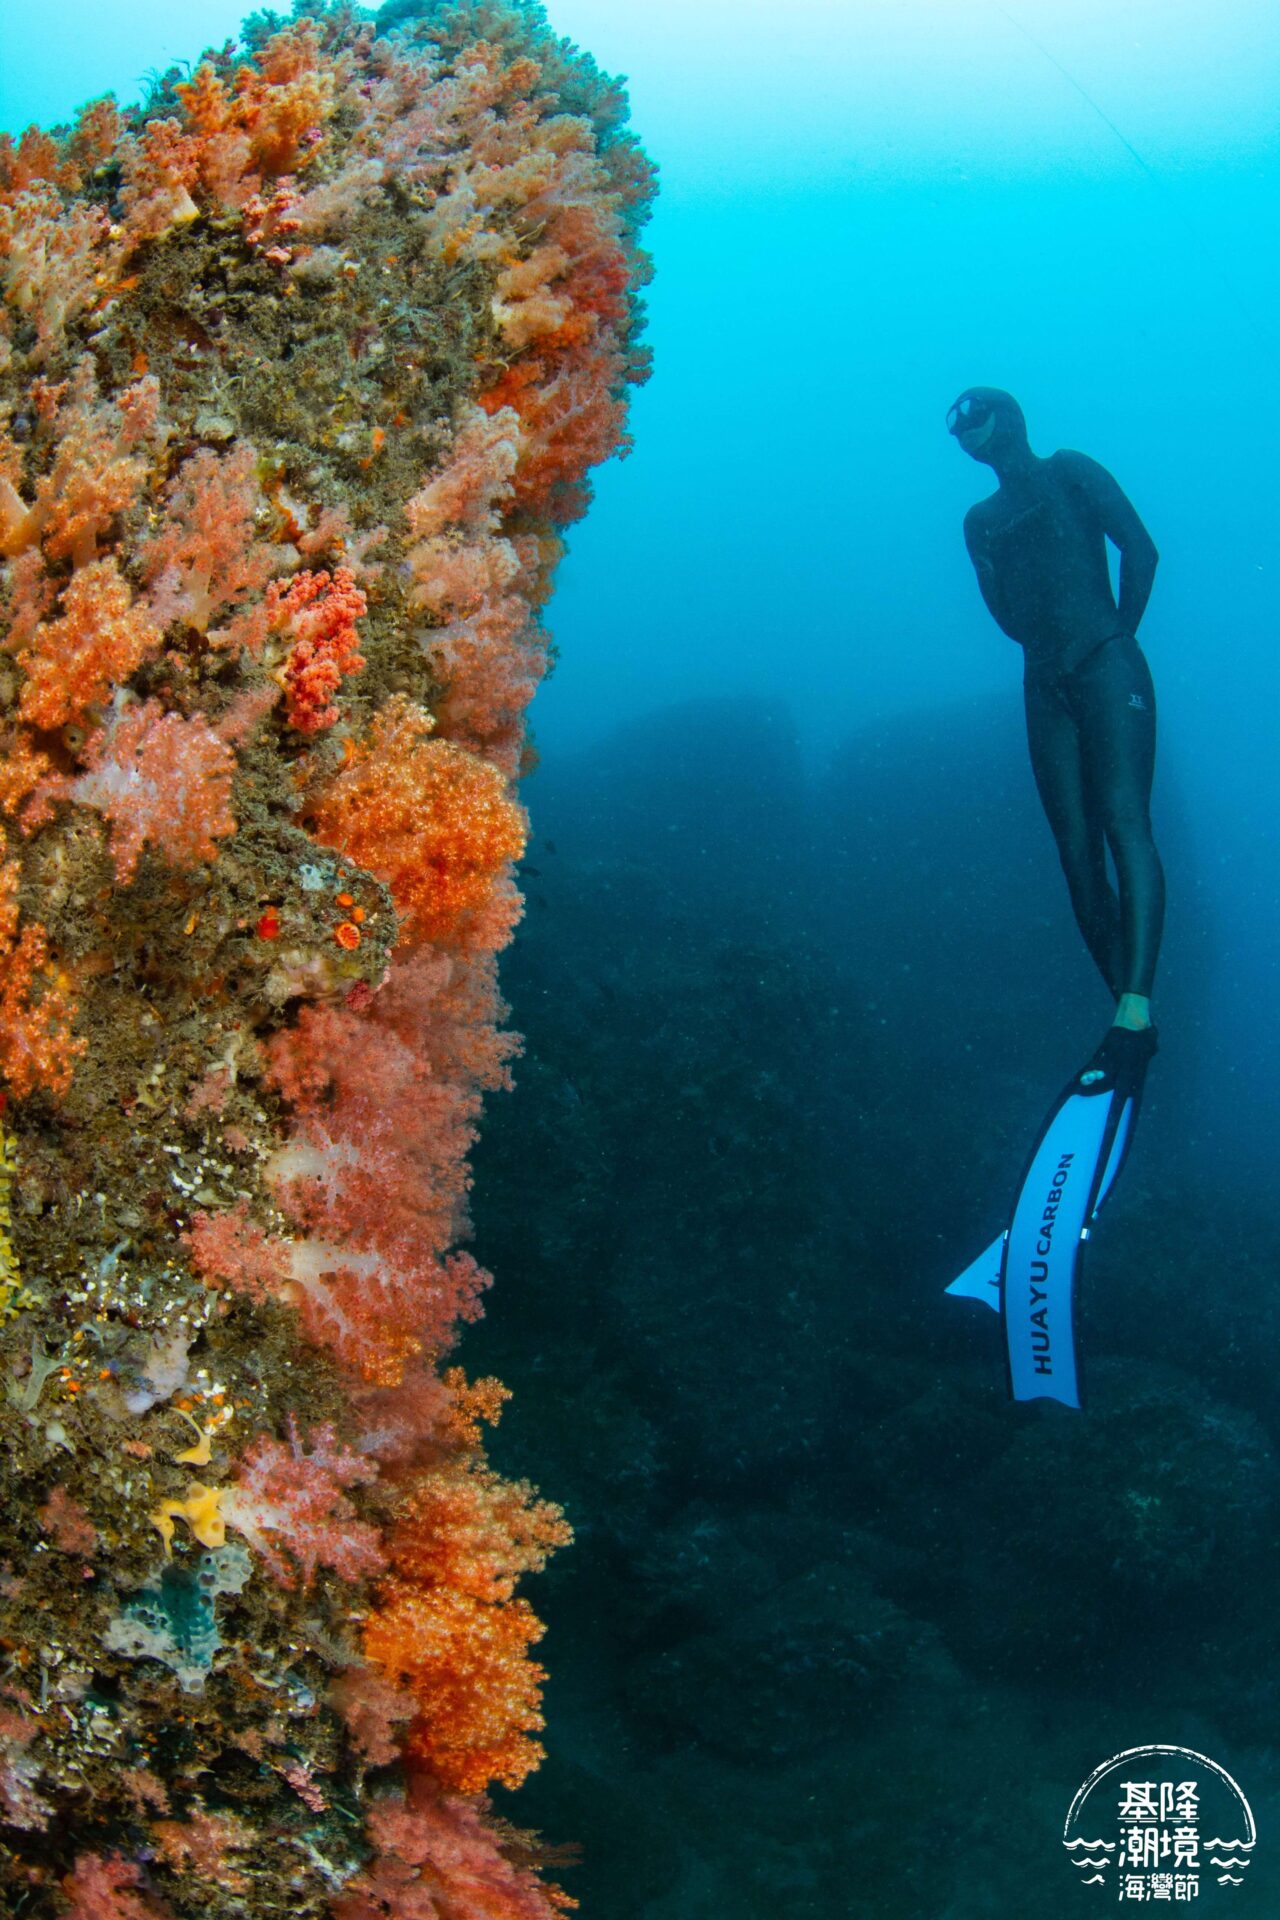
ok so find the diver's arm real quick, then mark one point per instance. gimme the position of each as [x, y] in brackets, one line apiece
[975, 540]
[1119, 520]
[1137, 574]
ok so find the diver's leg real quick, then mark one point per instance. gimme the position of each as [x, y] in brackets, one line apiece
[1113, 695]
[1056, 761]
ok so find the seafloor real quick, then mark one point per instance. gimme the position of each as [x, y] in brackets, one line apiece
[843, 1630]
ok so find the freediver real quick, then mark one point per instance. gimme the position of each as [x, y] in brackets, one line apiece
[1038, 545]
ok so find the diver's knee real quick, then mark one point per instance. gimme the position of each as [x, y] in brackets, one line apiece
[1131, 840]
[1084, 871]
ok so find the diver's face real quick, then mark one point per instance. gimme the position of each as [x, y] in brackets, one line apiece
[978, 437]
[972, 423]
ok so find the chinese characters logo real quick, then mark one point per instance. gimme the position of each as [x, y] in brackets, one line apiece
[1171, 1811]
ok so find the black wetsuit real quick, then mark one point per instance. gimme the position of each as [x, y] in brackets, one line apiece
[1039, 547]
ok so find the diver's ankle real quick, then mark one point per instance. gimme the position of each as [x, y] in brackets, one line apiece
[1133, 1010]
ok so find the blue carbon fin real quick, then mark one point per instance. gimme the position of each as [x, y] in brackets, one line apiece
[1029, 1275]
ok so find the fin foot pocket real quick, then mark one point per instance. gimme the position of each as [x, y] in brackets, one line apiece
[1121, 1061]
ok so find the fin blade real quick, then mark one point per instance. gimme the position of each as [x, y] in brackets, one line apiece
[1119, 1148]
[1055, 1203]
[981, 1280]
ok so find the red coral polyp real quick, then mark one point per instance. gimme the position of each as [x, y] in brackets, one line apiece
[319, 613]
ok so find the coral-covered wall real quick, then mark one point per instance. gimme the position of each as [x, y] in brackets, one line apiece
[303, 369]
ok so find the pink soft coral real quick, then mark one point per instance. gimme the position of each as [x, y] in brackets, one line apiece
[105, 1887]
[292, 1497]
[438, 1859]
[375, 1713]
[161, 781]
[51, 261]
[97, 471]
[206, 563]
[160, 167]
[68, 1524]
[374, 1175]
[468, 490]
[205, 1844]
[231, 1247]
[20, 1804]
[487, 649]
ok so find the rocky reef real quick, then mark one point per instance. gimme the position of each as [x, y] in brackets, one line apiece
[304, 367]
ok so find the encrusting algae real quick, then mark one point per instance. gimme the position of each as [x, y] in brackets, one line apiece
[14, 1297]
[303, 370]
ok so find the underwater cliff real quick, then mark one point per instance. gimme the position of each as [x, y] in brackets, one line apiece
[303, 370]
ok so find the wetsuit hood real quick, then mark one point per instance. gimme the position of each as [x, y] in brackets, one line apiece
[988, 423]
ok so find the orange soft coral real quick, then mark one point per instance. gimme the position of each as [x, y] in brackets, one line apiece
[33, 157]
[266, 122]
[37, 1045]
[477, 1691]
[431, 820]
[463, 1527]
[461, 1540]
[96, 473]
[99, 639]
[23, 768]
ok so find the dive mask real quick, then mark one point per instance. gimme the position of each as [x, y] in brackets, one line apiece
[969, 414]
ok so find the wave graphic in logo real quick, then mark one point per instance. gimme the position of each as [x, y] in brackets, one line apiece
[1164, 1802]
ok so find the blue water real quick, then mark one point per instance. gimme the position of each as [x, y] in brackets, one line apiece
[865, 209]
